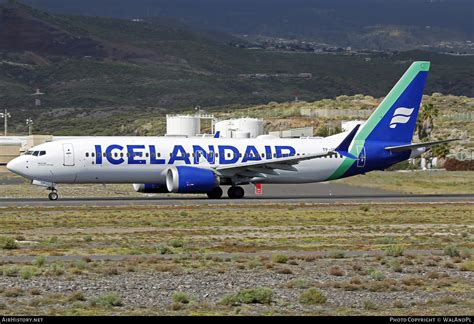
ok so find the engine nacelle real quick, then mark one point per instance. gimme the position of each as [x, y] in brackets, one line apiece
[150, 188]
[185, 179]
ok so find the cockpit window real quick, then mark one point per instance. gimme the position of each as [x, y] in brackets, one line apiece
[42, 153]
[28, 152]
[35, 153]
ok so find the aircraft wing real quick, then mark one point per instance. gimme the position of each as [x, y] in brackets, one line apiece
[408, 147]
[261, 168]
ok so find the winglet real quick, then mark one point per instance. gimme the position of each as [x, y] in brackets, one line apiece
[217, 134]
[343, 148]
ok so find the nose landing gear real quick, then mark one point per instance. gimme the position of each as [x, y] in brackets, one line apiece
[53, 195]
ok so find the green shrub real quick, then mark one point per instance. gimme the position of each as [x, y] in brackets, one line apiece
[396, 266]
[298, 283]
[88, 238]
[55, 269]
[279, 258]
[11, 271]
[107, 300]
[249, 296]
[8, 243]
[176, 243]
[394, 250]
[312, 296]
[53, 240]
[180, 297]
[164, 249]
[80, 264]
[377, 275]
[452, 251]
[39, 261]
[26, 273]
[369, 305]
[386, 240]
[337, 254]
[76, 296]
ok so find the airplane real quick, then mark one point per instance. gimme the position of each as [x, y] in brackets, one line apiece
[203, 164]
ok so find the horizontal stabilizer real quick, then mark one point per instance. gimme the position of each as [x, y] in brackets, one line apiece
[343, 148]
[412, 146]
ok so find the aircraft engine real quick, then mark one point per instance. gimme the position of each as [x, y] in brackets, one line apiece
[185, 179]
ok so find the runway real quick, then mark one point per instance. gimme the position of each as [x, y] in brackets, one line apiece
[317, 193]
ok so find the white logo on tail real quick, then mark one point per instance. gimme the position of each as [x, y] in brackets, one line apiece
[401, 116]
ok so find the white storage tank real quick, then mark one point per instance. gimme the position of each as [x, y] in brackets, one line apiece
[183, 125]
[237, 127]
[239, 134]
[348, 125]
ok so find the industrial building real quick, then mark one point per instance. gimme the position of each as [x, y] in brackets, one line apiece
[294, 132]
[240, 128]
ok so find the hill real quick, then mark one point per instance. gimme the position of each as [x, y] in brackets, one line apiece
[91, 66]
[374, 24]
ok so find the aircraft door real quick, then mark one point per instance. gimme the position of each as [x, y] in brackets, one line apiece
[68, 151]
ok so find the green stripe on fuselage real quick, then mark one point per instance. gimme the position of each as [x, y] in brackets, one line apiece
[379, 113]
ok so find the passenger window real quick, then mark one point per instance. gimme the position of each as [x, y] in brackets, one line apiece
[87, 154]
[104, 154]
[146, 154]
[92, 154]
[159, 154]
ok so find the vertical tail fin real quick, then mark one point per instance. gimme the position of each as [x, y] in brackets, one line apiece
[394, 120]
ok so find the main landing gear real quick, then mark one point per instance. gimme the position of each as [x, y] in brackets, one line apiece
[216, 193]
[53, 195]
[236, 192]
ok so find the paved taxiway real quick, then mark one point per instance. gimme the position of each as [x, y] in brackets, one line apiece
[327, 193]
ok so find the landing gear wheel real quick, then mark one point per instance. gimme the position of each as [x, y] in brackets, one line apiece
[216, 193]
[53, 195]
[236, 192]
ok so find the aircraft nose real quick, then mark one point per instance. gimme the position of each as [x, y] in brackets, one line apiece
[14, 165]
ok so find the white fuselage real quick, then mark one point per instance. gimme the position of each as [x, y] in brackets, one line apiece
[147, 159]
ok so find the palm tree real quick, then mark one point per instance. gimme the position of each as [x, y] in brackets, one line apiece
[424, 123]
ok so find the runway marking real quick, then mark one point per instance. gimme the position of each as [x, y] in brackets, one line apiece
[190, 201]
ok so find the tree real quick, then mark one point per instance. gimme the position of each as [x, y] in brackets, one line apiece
[424, 123]
[441, 150]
